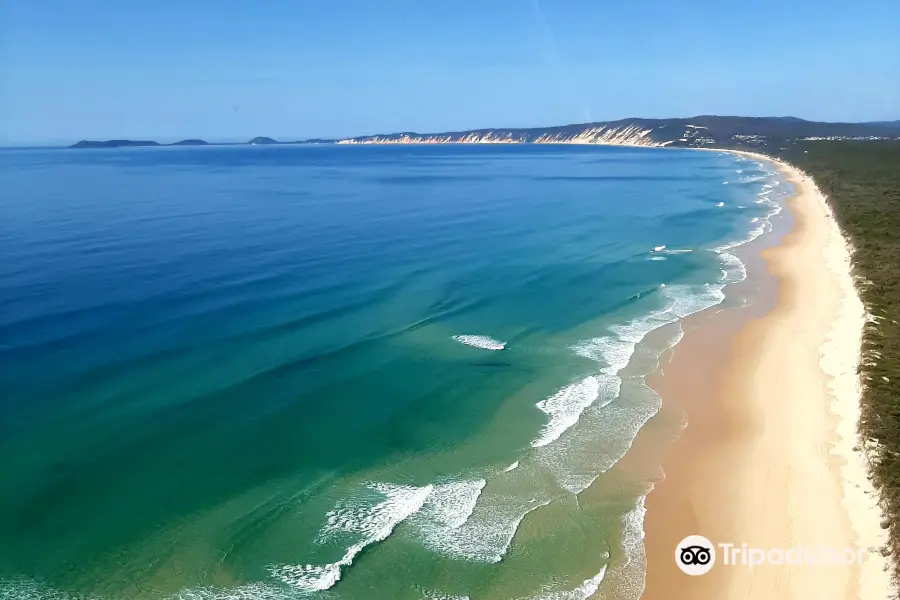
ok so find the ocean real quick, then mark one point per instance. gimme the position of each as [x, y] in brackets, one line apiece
[345, 372]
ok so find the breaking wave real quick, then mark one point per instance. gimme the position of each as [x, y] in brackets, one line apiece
[20, 589]
[480, 341]
[354, 516]
[565, 407]
[584, 591]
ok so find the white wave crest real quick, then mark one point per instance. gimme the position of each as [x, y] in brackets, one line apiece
[462, 520]
[480, 341]
[628, 578]
[373, 523]
[487, 532]
[763, 224]
[25, 589]
[565, 407]
[250, 591]
[449, 505]
[573, 458]
[436, 595]
[22, 589]
[584, 591]
[735, 271]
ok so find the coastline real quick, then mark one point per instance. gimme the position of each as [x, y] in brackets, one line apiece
[769, 456]
[704, 368]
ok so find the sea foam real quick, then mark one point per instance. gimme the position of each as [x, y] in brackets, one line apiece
[487, 532]
[371, 523]
[436, 595]
[584, 591]
[449, 505]
[565, 407]
[480, 341]
[571, 454]
[629, 578]
[22, 589]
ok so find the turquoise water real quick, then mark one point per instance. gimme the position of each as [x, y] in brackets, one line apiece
[343, 372]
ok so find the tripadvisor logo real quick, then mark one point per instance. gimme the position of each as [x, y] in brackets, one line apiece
[695, 555]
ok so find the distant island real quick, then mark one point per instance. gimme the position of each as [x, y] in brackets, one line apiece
[705, 131]
[188, 142]
[133, 143]
[113, 144]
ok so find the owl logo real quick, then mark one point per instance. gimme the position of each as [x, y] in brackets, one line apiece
[695, 555]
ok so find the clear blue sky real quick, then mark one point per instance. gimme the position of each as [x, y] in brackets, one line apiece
[234, 69]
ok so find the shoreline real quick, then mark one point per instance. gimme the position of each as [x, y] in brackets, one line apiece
[755, 465]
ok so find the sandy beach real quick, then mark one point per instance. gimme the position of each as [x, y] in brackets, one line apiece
[770, 456]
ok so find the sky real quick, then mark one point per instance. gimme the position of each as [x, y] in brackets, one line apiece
[230, 70]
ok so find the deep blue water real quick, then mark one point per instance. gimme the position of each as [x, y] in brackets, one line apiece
[239, 370]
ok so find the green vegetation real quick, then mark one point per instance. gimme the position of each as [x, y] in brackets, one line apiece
[862, 181]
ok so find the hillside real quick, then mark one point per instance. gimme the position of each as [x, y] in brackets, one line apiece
[700, 131]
